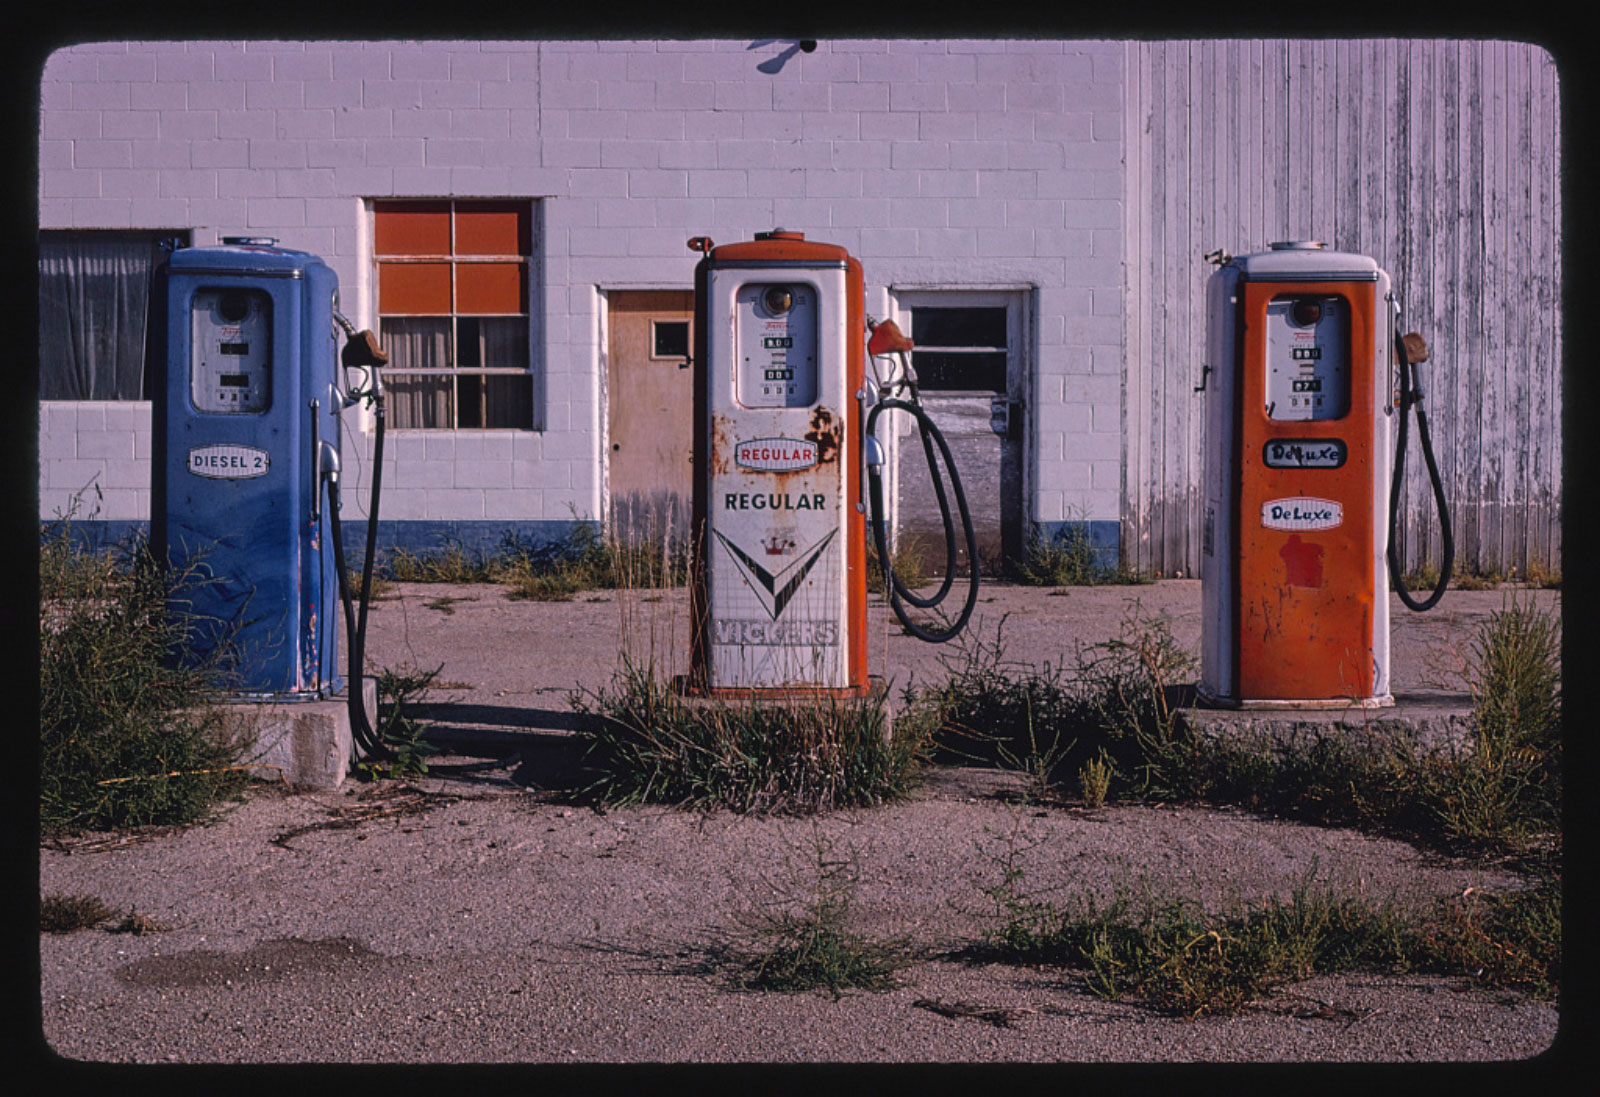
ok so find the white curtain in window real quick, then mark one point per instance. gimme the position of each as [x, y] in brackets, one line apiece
[94, 299]
[418, 342]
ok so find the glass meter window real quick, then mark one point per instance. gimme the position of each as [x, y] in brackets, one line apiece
[776, 335]
[230, 366]
[1308, 358]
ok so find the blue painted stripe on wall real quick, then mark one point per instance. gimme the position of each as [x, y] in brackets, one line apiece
[1105, 535]
[420, 538]
[478, 539]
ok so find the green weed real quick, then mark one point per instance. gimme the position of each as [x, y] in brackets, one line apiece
[1510, 784]
[1094, 781]
[1117, 707]
[70, 913]
[591, 560]
[404, 736]
[128, 734]
[451, 564]
[648, 743]
[802, 939]
[1173, 956]
[1068, 559]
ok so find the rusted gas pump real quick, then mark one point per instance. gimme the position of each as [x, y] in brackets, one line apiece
[1306, 374]
[782, 451]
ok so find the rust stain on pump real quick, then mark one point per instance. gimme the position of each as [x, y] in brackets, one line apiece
[825, 433]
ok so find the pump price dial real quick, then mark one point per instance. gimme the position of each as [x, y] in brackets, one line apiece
[776, 336]
[230, 364]
[1308, 358]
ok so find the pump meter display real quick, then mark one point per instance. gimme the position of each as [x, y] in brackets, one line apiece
[776, 336]
[1308, 358]
[230, 363]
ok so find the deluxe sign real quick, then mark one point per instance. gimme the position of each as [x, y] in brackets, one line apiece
[228, 462]
[775, 454]
[1301, 513]
[1303, 453]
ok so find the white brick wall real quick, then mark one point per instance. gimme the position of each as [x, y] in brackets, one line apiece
[94, 460]
[962, 163]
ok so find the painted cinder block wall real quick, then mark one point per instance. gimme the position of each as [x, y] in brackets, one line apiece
[960, 163]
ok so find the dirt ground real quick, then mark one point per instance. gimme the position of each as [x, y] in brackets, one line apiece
[479, 915]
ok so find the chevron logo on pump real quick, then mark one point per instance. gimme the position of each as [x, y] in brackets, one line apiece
[775, 589]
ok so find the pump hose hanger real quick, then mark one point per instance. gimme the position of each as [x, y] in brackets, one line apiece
[1412, 352]
[887, 339]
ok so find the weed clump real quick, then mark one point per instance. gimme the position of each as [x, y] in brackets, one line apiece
[591, 560]
[803, 940]
[127, 733]
[1111, 721]
[70, 913]
[403, 736]
[1067, 559]
[648, 743]
[1511, 782]
[1177, 958]
[551, 571]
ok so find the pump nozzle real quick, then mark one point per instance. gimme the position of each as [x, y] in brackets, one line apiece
[362, 350]
[887, 338]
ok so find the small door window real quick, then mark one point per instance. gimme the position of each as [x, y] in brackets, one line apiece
[669, 339]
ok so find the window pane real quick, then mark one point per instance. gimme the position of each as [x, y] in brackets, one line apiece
[416, 288]
[671, 338]
[490, 287]
[94, 300]
[959, 327]
[509, 401]
[493, 228]
[972, 371]
[416, 342]
[426, 401]
[503, 340]
[411, 228]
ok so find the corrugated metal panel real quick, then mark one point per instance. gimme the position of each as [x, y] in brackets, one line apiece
[1438, 158]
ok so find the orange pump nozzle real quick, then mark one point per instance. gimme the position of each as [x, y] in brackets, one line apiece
[887, 338]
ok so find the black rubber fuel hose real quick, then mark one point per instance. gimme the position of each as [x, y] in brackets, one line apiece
[366, 739]
[1411, 400]
[898, 592]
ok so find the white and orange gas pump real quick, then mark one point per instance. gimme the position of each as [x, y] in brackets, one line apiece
[779, 587]
[782, 452]
[1302, 355]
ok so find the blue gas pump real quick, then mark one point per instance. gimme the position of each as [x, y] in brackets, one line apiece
[245, 433]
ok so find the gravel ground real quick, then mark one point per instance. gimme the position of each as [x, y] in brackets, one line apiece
[479, 916]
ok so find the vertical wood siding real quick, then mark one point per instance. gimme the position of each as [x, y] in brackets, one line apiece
[1440, 159]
